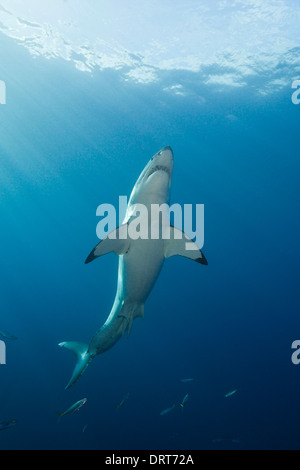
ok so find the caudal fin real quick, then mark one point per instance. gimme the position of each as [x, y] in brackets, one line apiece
[83, 359]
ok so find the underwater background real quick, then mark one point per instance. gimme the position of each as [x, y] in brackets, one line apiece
[72, 139]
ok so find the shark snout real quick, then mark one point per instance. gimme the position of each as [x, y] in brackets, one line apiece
[160, 164]
[165, 152]
[164, 159]
[168, 148]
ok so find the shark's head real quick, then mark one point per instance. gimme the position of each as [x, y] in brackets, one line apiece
[154, 183]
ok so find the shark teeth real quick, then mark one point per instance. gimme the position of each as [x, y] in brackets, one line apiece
[159, 168]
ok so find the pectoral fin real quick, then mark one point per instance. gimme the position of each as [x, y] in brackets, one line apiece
[117, 242]
[182, 245]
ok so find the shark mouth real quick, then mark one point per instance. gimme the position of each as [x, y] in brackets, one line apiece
[159, 168]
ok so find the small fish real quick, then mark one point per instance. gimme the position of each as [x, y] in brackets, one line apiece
[7, 424]
[185, 381]
[73, 408]
[84, 428]
[123, 401]
[184, 401]
[7, 335]
[229, 394]
[167, 410]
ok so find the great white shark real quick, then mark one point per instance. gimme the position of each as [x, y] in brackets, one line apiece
[140, 260]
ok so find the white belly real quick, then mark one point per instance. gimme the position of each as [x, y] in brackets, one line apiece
[139, 269]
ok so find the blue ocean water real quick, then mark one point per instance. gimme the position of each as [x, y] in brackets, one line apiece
[70, 141]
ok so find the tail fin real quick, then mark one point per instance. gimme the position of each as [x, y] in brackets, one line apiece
[83, 357]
